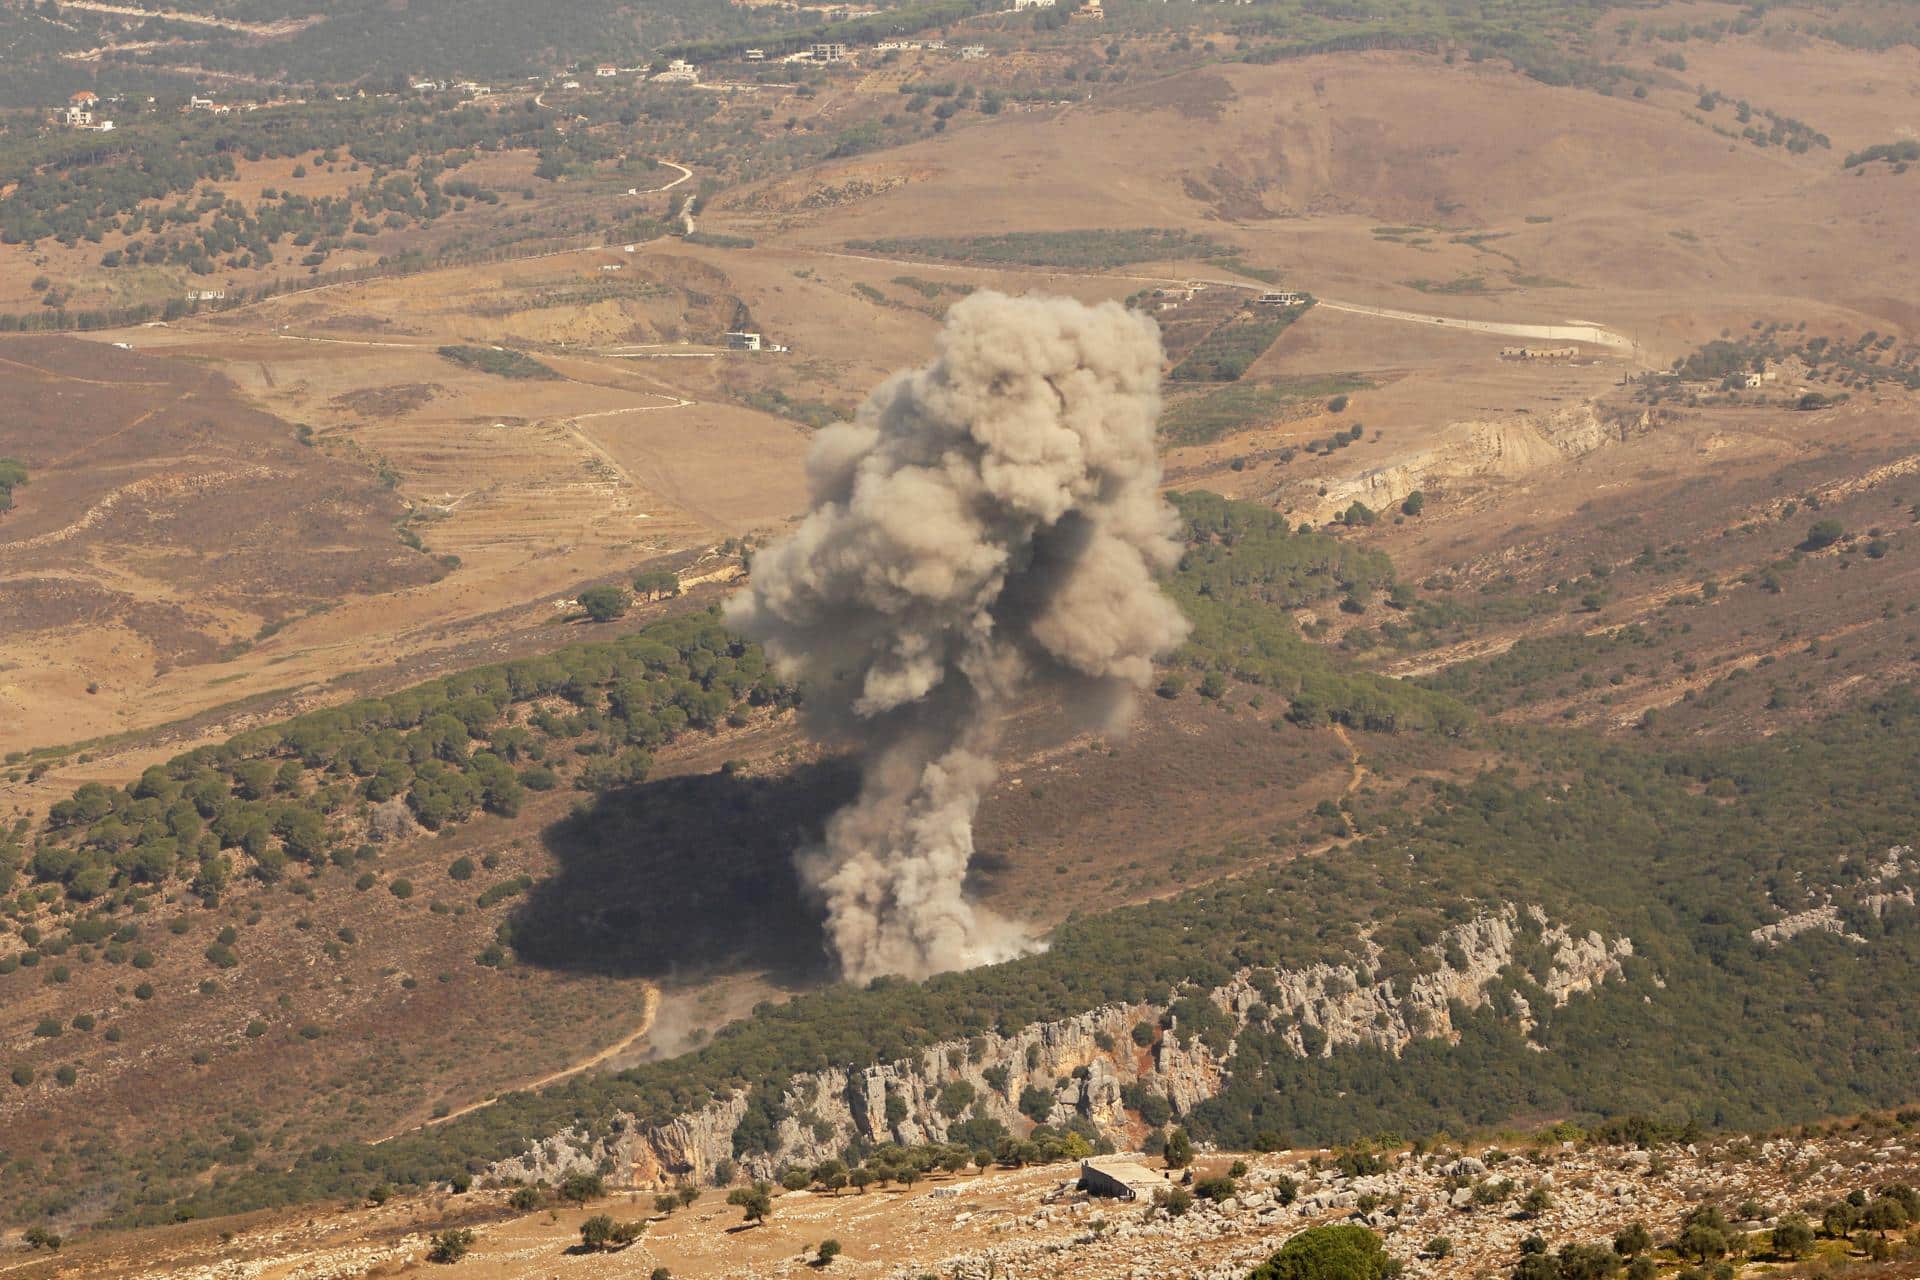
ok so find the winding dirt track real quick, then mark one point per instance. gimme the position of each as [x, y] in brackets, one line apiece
[600, 1057]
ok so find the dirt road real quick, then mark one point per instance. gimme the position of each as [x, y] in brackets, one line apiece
[284, 27]
[600, 1057]
[1597, 335]
[1589, 333]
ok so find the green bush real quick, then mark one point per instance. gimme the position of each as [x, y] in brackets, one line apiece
[500, 361]
[1340, 1252]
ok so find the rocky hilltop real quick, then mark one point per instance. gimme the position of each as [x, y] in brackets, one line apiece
[1087, 1062]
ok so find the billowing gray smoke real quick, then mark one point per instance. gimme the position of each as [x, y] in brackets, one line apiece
[986, 529]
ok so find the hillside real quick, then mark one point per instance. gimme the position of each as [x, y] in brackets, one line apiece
[401, 823]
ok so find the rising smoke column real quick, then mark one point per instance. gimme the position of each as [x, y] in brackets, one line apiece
[985, 530]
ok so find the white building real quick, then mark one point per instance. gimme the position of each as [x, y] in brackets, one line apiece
[972, 52]
[606, 71]
[831, 52]
[679, 71]
[756, 55]
[743, 341]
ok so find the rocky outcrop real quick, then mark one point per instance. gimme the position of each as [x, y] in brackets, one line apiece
[1887, 884]
[1088, 1061]
[1472, 453]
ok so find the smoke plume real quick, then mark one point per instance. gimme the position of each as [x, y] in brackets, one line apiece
[985, 530]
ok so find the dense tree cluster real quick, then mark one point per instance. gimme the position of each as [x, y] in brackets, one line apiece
[1244, 575]
[302, 791]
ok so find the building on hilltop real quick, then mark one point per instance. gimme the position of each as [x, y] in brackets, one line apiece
[679, 71]
[830, 52]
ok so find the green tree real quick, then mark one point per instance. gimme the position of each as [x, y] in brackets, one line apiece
[827, 1252]
[578, 1188]
[1340, 1252]
[663, 584]
[1793, 1236]
[604, 604]
[1179, 1149]
[1701, 1242]
[601, 1232]
[1414, 503]
[755, 1202]
[1884, 1214]
[1632, 1240]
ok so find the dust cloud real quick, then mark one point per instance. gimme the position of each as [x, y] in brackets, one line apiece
[983, 534]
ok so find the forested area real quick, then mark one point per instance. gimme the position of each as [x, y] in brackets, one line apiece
[77, 187]
[303, 792]
[1245, 572]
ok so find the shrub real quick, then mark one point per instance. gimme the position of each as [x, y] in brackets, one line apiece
[1822, 534]
[1341, 1252]
[449, 1246]
[1175, 1200]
